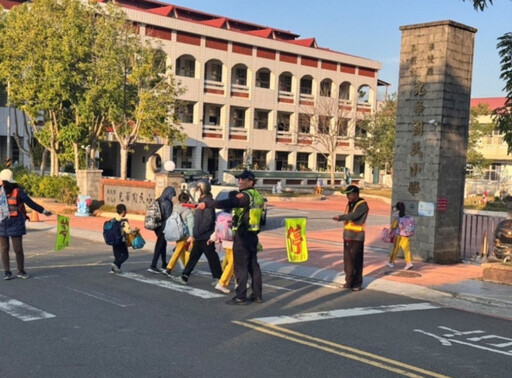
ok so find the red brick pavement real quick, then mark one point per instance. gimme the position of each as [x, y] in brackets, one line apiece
[325, 249]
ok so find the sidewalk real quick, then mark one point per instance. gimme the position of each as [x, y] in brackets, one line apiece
[457, 286]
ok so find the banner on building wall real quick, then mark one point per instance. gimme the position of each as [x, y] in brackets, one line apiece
[63, 232]
[296, 246]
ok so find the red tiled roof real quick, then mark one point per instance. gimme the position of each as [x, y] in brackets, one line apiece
[308, 42]
[164, 11]
[217, 22]
[265, 33]
[493, 102]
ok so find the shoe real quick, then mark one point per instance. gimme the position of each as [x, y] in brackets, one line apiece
[408, 266]
[179, 279]
[111, 271]
[8, 275]
[221, 288]
[237, 302]
[115, 268]
[163, 270]
[357, 288]
[23, 275]
[255, 299]
[215, 282]
[391, 265]
[167, 272]
[154, 270]
[346, 286]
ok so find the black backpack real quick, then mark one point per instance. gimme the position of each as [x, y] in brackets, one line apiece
[112, 232]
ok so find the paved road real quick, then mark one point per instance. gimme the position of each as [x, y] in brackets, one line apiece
[72, 318]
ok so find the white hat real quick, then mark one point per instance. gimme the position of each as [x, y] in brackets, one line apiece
[6, 175]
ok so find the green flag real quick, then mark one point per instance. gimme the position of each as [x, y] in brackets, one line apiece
[63, 231]
[296, 246]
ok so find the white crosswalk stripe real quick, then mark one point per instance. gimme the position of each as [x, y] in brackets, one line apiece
[21, 310]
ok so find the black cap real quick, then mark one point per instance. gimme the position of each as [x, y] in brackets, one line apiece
[246, 175]
[350, 189]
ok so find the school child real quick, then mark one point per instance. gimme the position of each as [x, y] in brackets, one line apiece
[181, 251]
[121, 250]
[224, 235]
[404, 227]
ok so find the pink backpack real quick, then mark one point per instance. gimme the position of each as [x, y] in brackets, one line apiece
[223, 229]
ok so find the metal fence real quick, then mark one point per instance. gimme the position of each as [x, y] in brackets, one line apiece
[474, 227]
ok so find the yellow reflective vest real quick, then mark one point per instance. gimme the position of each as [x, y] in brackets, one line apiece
[349, 224]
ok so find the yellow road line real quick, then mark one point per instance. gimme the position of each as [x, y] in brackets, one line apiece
[347, 352]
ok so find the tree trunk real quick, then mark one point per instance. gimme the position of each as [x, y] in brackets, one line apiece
[333, 168]
[124, 162]
[77, 156]
[54, 163]
[44, 158]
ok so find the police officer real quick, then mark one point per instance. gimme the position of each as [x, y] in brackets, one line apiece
[247, 207]
[353, 237]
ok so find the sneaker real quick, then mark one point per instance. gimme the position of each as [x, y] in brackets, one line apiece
[215, 282]
[23, 275]
[408, 266]
[167, 272]
[221, 288]
[154, 270]
[115, 268]
[8, 275]
[237, 302]
[391, 265]
[179, 279]
[111, 271]
[356, 288]
[255, 299]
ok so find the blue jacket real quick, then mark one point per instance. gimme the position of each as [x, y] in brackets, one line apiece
[165, 201]
[15, 226]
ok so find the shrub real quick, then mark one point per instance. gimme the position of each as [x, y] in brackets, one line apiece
[61, 188]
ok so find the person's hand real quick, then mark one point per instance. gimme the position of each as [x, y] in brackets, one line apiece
[47, 213]
[201, 206]
[136, 229]
[190, 239]
[210, 241]
[336, 218]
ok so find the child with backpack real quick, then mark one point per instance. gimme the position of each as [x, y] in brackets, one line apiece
[404, 227]
[182, 247]
[116, 236]
[224, 235]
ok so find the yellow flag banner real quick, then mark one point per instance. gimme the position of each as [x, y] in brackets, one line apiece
[296, 246]
[62, 233]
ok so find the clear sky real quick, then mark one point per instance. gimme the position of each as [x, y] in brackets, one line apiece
[370, 28]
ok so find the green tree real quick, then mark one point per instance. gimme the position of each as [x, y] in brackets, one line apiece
[503, 115]
[477, 131]
[378, 139]
[43, 45]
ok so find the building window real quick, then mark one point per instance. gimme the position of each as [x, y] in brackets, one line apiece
[240, 76]
[345, 91]
[182, 156]
[283, 121]
[281, 161]
[237, 117]
[259, 160]
[325, 88]
[343, 127]
[186, 113]
[235, 158]
[306, 85]
[303, 161]
[261, 119]
[285, 82]
[211, 114]
[321, 162]
[263, 78]
[186, 66]
[324, 124]
[360, 130]
[304, 123]
[214, 71]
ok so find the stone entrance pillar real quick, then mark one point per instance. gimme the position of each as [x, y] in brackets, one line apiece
[432, 134]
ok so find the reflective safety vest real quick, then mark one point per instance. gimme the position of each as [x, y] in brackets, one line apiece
[255, 212]
[349, 224]
[13, 202]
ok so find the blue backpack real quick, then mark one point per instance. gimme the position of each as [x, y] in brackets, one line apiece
[112, 232]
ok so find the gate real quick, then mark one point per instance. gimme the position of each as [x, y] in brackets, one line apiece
[473, 228]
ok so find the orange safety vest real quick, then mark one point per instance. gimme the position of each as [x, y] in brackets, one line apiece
[12, 201]
[349, 224]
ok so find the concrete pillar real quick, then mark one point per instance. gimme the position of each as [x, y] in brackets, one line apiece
[165, 179]
[88, 182]
[432, 134]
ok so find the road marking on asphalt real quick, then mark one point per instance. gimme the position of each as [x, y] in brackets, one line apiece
[205, 294]
[101, 297]
[339, 349]
[343, 313]
[21, 310]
